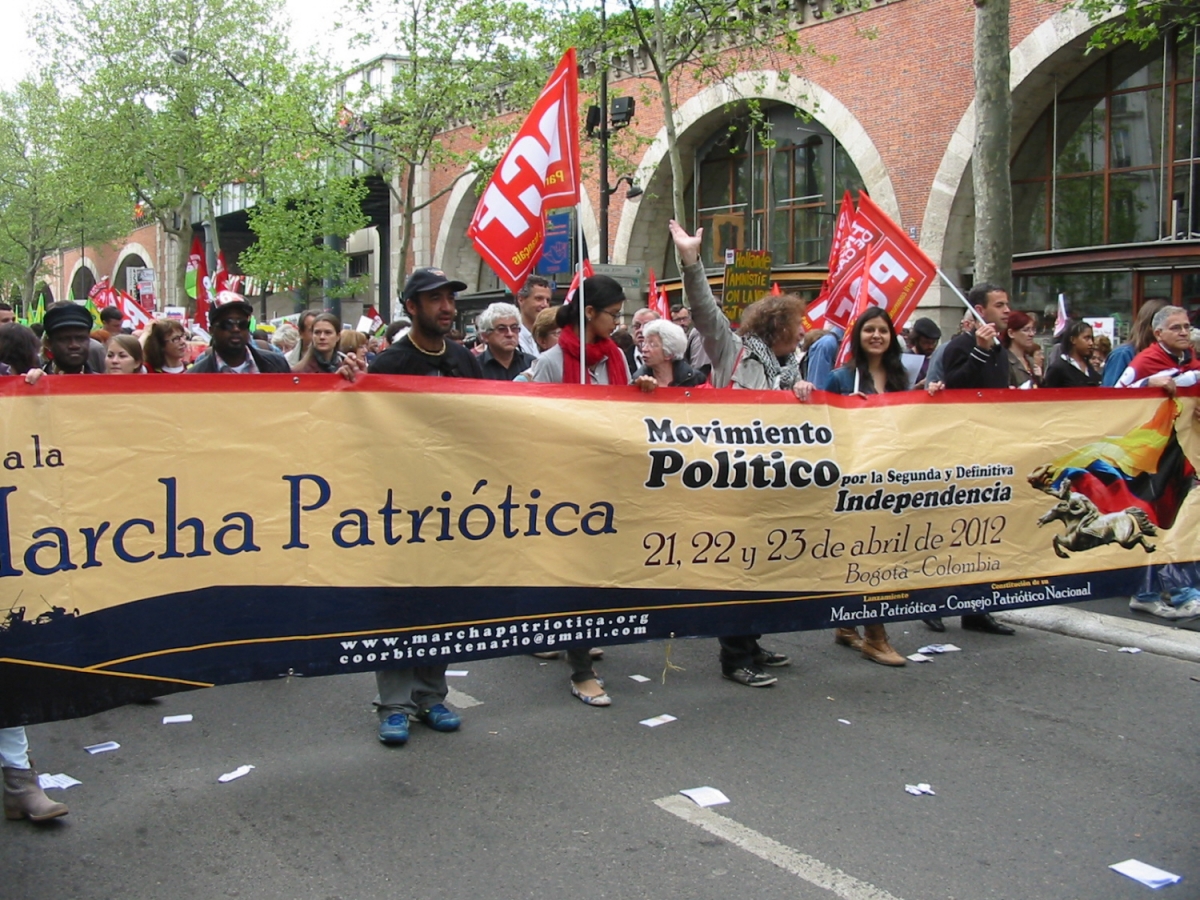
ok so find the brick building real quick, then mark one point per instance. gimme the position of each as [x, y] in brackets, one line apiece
[1104, 162]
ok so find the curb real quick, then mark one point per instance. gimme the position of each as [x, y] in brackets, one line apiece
[1079, 623]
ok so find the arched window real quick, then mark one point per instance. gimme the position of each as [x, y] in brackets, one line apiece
[1113, 159]
[781, 198]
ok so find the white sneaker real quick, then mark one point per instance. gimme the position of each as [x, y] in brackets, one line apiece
[1184, 610]
[1154, 607]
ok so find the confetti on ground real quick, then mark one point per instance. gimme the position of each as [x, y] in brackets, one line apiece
[103, 748]
[640, 679]
[918, 789]
[657, 720]
[177, 720]
[236, 773]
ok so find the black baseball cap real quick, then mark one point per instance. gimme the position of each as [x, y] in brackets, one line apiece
[67, 315]
[429, 279]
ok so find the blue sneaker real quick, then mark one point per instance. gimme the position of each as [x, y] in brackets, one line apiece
[439, 718]
[394, 729]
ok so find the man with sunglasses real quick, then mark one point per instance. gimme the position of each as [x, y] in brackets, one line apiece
[232, 351]
[500, 328]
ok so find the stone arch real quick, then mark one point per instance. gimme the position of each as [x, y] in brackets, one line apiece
[78, 281]
[125, 260]
[1051, 56]
[697, 119]
[453, 251]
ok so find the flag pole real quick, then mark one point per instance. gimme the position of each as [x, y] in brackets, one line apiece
[963, 297]
[580, 298]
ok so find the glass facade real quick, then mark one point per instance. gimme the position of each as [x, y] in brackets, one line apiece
[781, 198]
[1112, 160]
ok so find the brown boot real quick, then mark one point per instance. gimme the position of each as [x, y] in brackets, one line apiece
[847, 637]
[876, 648]
[24, 798]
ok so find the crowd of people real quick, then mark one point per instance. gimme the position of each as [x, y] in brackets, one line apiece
[532, 341]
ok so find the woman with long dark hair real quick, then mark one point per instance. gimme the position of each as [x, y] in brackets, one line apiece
[874, 367]
[1072, 366]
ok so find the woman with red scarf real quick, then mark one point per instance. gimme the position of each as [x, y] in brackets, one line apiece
[604, 363]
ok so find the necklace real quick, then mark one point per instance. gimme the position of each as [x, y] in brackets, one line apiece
[427, 352]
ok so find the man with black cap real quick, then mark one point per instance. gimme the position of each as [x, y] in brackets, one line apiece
[67, 337]
[232, 351]
[925, 337]
[429, 300]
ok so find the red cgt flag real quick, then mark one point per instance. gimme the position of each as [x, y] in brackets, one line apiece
[574, 286]
[198, 263]
[900, 270]
[814, 316]
[861, 305]
[538, 171]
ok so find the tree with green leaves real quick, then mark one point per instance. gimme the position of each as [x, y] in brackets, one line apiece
[1137, 21]
[179, 97]
[705, 42]
[290, 229]
[47, 199]
[453, 64]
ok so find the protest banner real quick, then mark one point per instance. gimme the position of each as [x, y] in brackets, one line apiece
[239, 542]
[747, 279]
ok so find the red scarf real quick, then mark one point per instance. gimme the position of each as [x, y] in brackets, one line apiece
[606, 348]
[1155, 359]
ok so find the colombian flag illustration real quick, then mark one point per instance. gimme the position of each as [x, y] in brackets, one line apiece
[1146, 468]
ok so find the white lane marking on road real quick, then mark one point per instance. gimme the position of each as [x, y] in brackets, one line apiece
[462, 701]
[799, 864]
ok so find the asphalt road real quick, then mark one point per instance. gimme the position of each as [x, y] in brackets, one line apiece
[1050, 760]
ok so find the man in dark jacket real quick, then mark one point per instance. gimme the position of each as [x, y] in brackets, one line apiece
[977, 361]
[974, 362]
[232, 351]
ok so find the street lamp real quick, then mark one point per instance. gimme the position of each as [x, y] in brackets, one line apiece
[598, 117]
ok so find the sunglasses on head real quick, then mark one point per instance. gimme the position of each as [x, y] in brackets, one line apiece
[232, 325]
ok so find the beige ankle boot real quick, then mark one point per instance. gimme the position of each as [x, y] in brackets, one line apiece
[876, 648]
[847, 637]
[24, 798]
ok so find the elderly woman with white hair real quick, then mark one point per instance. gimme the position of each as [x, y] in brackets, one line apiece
[664, 345]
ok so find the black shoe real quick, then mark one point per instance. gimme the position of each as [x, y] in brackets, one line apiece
[984, 622]
[750, 677]
[768, 658]
[934, 623]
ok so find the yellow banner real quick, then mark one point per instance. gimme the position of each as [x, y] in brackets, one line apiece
[157, 535]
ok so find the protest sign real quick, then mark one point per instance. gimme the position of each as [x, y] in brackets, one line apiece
[239, 542]
[747, 279]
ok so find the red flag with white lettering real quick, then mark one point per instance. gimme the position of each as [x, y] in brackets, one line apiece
[900, 270]
[538, 171]
[860, 307]
[814, 316]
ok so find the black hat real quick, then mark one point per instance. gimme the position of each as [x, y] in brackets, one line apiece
[429, 279]
[67, 315]
[927, 328]
[229, 301]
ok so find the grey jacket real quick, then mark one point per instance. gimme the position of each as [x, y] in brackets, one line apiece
[730, 365]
